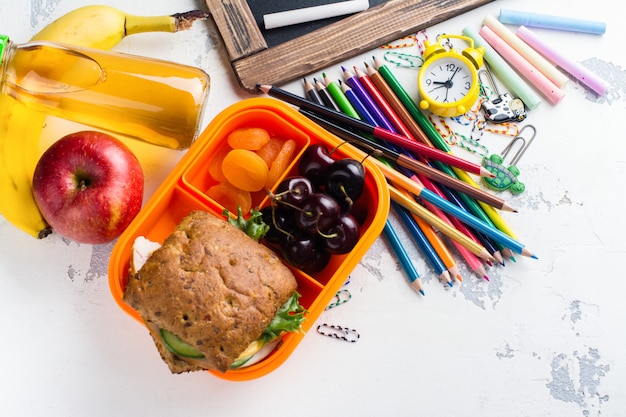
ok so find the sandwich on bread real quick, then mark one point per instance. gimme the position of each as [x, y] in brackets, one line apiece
[211, 296]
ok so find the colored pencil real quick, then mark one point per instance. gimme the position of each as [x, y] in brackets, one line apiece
[403, 257]
[423, 244]
[439, 246]
[426, 195]
[407, 123]
[381, 101]
[375, 131]
[475, 263]
[340, 99]
[359, 106]
[327, 99]
[481, 238]
[404, 123]
[352, 80]
[471, 259]
[436, 222]
[311, 92]
[483, 211]
[390, 233]
[375, 148]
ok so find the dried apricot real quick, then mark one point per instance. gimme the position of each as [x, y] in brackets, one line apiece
[215, 164]
[270, 150]
[250, 138]
[230, 197]
[245, 169]
[281, 162]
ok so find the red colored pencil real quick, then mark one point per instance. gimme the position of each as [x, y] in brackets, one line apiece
[376, 131]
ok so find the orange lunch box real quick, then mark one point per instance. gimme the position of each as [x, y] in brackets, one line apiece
[184, 190]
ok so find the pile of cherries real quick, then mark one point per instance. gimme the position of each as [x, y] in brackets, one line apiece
[313, 215]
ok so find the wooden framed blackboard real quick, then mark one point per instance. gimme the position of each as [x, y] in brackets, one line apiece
[254, 62]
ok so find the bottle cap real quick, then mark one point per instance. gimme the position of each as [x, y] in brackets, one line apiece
[4, 40]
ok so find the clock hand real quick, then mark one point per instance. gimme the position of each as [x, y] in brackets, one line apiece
[455, 71]
[445, 84]
[452, 76]
[439, 86]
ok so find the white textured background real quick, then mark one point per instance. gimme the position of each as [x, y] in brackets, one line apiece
[543, 338]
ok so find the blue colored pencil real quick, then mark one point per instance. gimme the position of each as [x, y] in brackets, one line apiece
[403, 257]
[424, 245]
[358, 105]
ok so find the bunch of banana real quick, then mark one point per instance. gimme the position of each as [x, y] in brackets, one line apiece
[100, 27]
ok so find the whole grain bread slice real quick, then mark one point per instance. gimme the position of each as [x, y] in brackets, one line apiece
[213, 287]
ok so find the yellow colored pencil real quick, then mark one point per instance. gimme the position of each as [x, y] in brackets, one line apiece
[421, 211]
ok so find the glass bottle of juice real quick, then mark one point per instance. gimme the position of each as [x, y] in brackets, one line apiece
[153, 100]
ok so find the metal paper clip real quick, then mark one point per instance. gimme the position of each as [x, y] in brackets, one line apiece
[506, 177]
[338, 332]
[503, 107]
[341, 297]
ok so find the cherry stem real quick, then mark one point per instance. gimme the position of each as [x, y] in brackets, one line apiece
[347, 197]
[277, 200]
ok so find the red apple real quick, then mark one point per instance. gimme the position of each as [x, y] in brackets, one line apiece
[89, 186]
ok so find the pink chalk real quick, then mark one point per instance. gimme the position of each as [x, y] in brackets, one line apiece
[552, 92]
[578, 71]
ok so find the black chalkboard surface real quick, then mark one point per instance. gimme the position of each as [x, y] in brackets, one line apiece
[291, 57]
[280, 35]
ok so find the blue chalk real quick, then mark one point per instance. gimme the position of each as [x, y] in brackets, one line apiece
[514, 17]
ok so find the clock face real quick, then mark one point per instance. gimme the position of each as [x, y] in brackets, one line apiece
[447, 80]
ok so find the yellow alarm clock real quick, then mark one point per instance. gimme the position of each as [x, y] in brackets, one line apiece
[448, 80]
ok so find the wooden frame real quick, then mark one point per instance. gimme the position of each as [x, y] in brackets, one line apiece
[254, 63]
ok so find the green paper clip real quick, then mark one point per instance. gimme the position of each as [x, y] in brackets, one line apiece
[341, 297]
[506, 177]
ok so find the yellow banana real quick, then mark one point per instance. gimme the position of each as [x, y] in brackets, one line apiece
[100, 27]
[103, 27]
[19, 150]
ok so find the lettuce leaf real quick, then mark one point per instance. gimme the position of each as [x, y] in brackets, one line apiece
[254, 226]
[289, 318]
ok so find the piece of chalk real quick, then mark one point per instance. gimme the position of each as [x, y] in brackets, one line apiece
[518, 18]
[553, 93]
[533, 57]
[503, 71]
[309, 14]
[578, 71]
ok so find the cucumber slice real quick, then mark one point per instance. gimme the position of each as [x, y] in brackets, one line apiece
[175, 345]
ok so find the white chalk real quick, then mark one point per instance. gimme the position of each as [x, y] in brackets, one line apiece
[309, 14]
